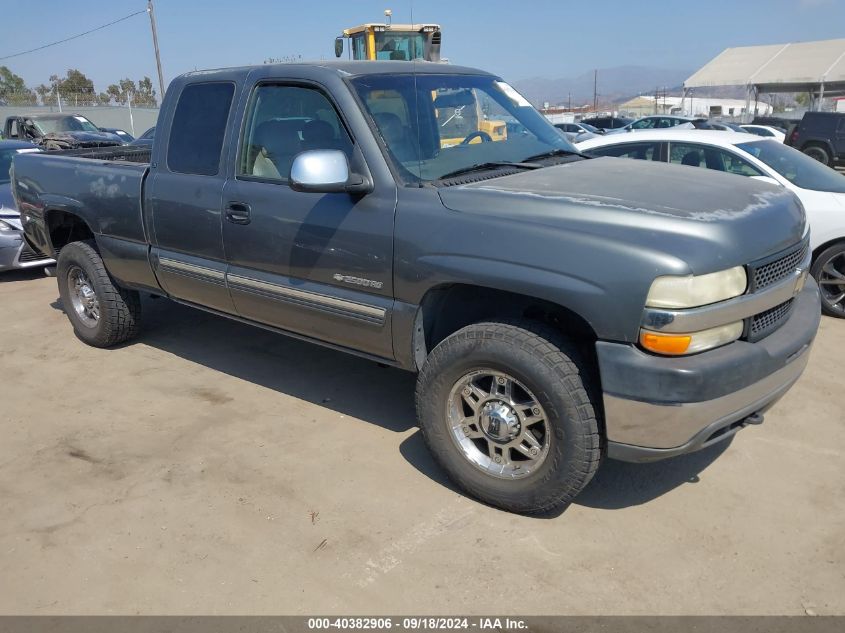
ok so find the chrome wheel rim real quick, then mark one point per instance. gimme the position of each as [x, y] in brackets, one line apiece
[83, 298]
[832, 282]
[498, 424]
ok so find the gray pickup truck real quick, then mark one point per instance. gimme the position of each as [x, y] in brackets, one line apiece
[558, 309]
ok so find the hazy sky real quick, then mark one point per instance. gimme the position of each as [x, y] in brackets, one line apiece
[515, 38]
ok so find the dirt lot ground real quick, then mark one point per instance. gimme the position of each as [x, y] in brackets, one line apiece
[216, 468]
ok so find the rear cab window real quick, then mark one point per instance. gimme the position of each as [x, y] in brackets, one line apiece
[199, 127]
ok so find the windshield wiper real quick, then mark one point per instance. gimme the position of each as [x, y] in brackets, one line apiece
[488, 165]
[552, 153]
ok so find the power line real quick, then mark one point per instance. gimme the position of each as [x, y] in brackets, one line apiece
[73, 37]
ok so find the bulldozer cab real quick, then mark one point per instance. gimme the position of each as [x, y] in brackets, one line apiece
[402, 42]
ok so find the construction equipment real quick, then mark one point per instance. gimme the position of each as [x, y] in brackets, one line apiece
[405, 42]
[391, 41]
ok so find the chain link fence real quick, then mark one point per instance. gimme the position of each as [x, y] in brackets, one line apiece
[126, 116]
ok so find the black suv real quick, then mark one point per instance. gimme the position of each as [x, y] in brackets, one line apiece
[820, 135]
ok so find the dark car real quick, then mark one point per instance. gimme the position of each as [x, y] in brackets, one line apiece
[146, 139]
[123, 135]
[608, 122]
[58, 131]
[775, 121]
[724, 126]
[820, 135]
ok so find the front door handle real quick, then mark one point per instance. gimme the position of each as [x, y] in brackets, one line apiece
[237, 213]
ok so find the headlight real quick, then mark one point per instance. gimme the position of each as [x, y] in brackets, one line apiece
[680, 344]
[693, 291]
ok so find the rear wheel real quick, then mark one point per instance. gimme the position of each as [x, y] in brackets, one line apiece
[101, 312]
[819, 153]
[507, 410]
[829, 271]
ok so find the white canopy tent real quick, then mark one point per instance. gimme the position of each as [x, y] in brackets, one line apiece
[814, 67]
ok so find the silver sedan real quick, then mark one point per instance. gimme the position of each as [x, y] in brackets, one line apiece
[14, 251]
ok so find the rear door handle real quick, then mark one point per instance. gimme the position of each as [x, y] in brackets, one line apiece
[238, 213]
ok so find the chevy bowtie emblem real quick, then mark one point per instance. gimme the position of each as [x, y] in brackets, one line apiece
[802, 279]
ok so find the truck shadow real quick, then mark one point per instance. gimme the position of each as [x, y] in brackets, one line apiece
[615, 486]
[22, 274]
[622, 484]
[362, 389]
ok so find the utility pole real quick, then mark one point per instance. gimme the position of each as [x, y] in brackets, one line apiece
[131, 120]
[595, 90]
[152, 15]
[570, 102]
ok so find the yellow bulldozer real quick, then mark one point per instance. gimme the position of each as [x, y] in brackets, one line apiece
[407, 42]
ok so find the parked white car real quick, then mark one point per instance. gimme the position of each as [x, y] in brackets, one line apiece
[766, 131]
[820, 188]
[657, 121]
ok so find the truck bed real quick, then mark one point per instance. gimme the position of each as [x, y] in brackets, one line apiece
[102, 186]
[122, 153]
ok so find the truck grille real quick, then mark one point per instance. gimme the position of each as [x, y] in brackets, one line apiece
[765, 323]
[771, 272]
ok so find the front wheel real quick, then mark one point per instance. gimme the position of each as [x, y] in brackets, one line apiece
[507, 410]
[101, 312]
[829, 271]
[819, 153]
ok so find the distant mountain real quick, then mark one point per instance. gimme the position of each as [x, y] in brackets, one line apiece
[614, 85]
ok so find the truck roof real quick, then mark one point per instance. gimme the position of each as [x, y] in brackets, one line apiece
[350, 68]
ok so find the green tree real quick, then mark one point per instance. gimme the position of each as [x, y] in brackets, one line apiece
[75, 89]
[803, 99]
[146, 96]
[142, 94]
[13, 90]
[46, 94]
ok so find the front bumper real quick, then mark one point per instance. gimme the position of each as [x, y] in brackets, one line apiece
[15, 253]
[657, 407]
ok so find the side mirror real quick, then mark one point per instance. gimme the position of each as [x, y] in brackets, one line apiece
[325, 171]
[338, 46]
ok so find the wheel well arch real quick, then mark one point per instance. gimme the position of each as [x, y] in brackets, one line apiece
[823, 247]
[825, 145]
[446, 309]
[64, 227]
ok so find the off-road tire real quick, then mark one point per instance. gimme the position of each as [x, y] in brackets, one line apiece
[819, 153]
[119, 308]
[563, 383]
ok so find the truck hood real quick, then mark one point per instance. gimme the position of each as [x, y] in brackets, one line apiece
[83, 139]
[709, 220]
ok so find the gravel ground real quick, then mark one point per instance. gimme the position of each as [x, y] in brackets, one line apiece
[215, 468]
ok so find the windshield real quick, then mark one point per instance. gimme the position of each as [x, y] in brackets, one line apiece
[6, 156]
[399, 45]
[73, 123]
[798, 168]
[433, 125]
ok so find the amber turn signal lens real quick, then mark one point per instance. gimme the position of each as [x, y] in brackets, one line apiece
[669, 344]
